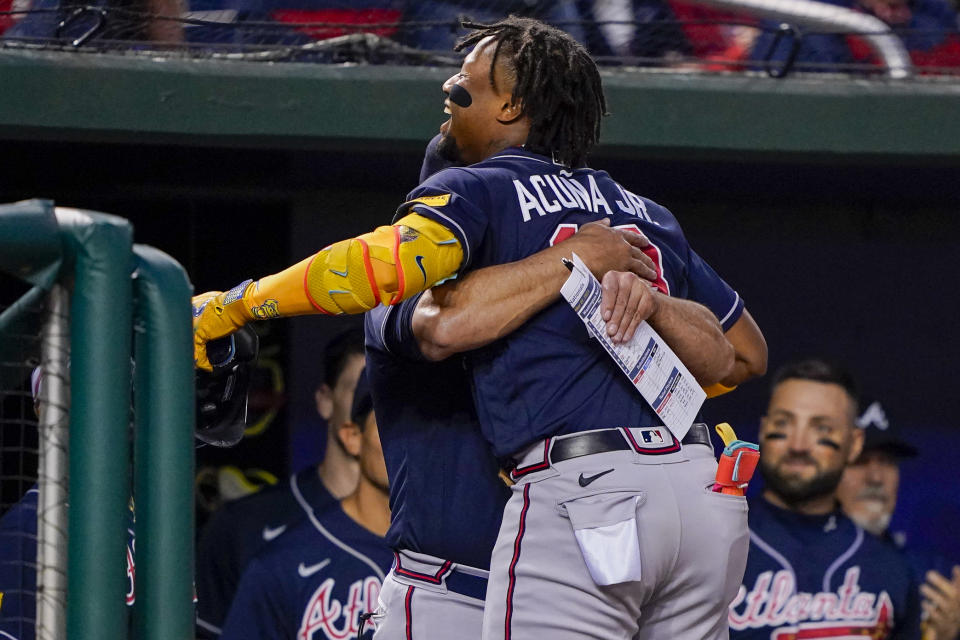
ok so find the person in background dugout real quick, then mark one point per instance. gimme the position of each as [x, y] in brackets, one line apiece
[316, 580]
[315, 443]
[240, 529]
[868, 493]
[811, 571]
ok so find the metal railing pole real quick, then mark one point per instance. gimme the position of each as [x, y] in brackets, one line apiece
[53, 463]
[829, 18]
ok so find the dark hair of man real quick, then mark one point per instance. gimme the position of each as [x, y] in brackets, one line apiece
[337, 353]
[557, 84]
[819, 370]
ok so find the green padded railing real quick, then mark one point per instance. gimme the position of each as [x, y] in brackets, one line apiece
[111, 282]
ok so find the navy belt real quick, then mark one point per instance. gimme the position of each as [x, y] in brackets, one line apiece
[467, 584]
[452, 577]
[586, 444]
[649, 441]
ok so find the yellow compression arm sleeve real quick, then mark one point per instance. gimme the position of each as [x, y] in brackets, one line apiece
[385, 266]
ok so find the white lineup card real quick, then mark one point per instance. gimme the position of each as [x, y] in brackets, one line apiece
[646, 359]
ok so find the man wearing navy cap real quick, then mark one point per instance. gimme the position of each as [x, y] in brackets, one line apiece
[868, 493]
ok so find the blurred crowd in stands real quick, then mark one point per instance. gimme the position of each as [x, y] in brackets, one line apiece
[662, 33]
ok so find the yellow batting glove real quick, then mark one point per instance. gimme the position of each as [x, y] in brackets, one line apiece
[217, 314]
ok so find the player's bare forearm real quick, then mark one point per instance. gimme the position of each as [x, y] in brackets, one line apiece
[486, 305]
[695, 334]
[385, 266]
[691, 330]
[750, 350]
[490, 303]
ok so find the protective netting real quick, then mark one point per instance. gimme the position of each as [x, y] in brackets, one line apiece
[19, 452]
[34, 355]
[686, 35]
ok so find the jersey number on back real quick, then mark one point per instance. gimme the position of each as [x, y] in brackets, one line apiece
[565, 230]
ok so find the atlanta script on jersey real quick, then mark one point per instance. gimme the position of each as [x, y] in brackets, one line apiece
[821, 577]
[312, 583]
[242, 528]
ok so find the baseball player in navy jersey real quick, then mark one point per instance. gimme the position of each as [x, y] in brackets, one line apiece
[590, 463]
[18, 569]
[812, 572]
[446, 497]
[18, 556]
[868, 494]
[316, 580]
[240, 529]
[18, 578]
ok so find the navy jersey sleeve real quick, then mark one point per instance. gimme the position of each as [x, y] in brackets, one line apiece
[924, 560]
[390, 329]
[432, 160]
[458, 200]
[257, 612]
[908, 625]
[18, 579]
[710, 290]
[218, 569]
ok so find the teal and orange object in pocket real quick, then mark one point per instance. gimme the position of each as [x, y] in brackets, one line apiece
[737, 463]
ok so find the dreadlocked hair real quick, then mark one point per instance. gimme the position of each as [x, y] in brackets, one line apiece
[557, 84]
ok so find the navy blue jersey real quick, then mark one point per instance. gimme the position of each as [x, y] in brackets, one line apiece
[821, 577]
[312, 583]
[549, 377]
[925, 560]
[445, 497]
[432, 160]
[18, 568]
[921, 560]
[239, 530]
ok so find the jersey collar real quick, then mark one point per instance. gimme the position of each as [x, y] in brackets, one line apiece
[521, 152]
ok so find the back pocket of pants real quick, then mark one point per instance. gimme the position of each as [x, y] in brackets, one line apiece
[605, 525]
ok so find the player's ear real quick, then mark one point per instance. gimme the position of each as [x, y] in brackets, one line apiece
[510, 112]
[351, 437]
[323, 397]
[856, 445]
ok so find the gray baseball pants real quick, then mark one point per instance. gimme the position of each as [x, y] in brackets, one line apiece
[629, 544]
[426, 598]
